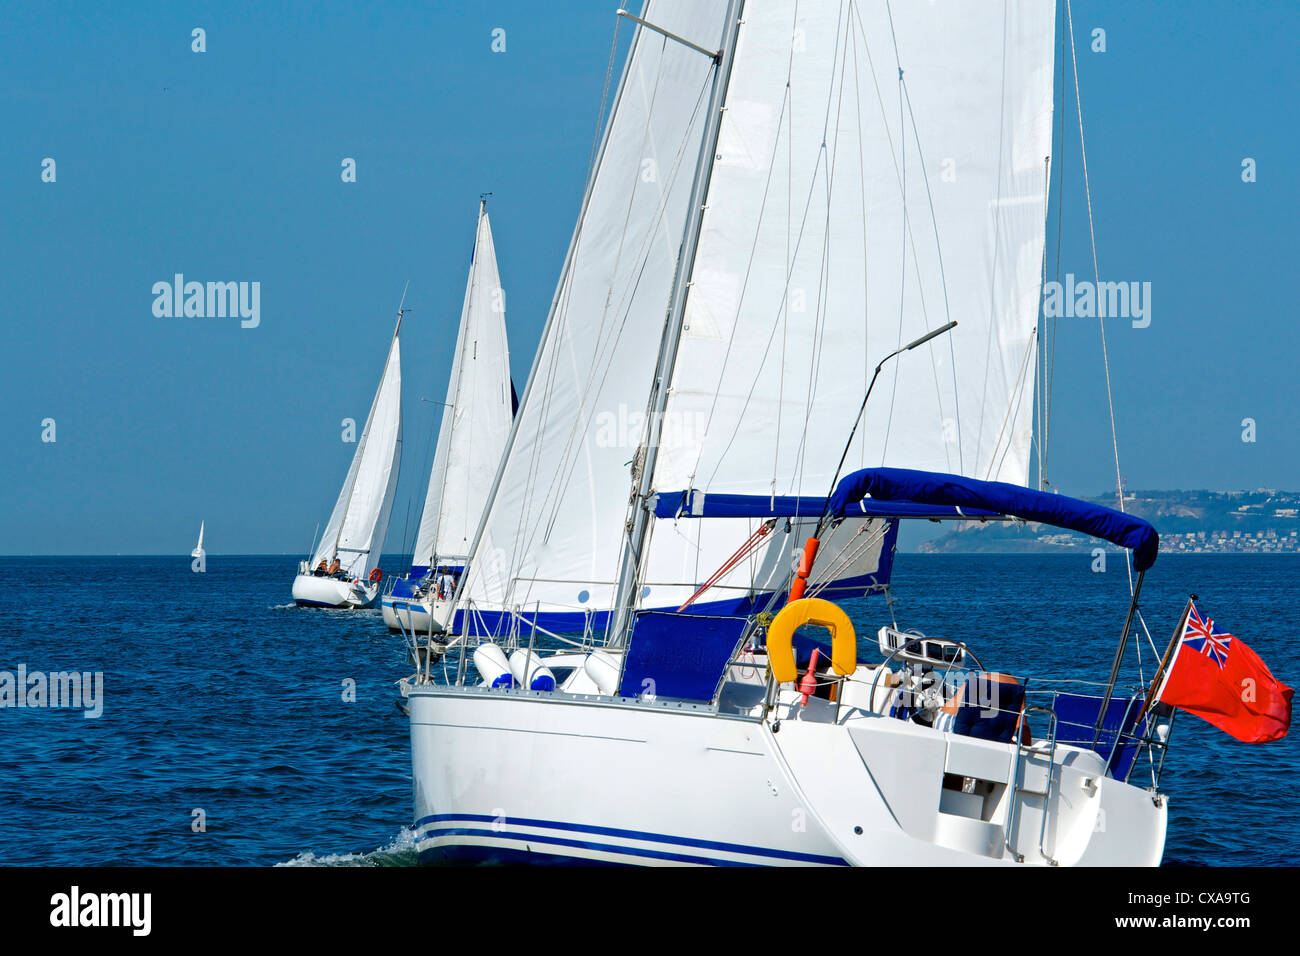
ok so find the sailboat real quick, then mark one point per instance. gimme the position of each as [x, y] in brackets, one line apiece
[475, 425]
[343, 570]
[790, 253]
[198, 548]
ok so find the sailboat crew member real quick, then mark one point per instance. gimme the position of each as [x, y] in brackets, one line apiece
[446, 584]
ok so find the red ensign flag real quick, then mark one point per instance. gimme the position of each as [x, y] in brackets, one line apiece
[1219, 679]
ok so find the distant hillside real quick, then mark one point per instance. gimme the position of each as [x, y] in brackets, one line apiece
[1263, 521]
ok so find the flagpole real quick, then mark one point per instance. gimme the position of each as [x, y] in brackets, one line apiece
[1169, 652]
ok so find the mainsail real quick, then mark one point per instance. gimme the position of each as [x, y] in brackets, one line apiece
[475, 419]
[880, 171]
[850, 207]
[356, 529]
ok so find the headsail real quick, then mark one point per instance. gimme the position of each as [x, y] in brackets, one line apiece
[475, 419]
[553, 531]
[356, 529]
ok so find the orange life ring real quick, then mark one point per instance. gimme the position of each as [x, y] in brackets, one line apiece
[375, 576]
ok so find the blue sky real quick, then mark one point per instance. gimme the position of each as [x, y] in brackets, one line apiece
[225, 166]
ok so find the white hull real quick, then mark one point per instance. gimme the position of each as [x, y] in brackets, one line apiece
[417, 615]
[313, 591]
[523, 776]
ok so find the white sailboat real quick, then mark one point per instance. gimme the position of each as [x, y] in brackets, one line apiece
[198, 548]
[343, 571]
[797, 244]
[475, 425]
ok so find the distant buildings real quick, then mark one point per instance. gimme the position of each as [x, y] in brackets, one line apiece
[1263, 521]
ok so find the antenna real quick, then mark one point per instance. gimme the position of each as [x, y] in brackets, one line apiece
[401, 308]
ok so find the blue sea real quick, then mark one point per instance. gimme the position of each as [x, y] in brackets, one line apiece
[239, 729]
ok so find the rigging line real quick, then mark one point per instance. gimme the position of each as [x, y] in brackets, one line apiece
[604, 97]
[902, 287]
[568, 459]
[1013, 412]
[564, 299]
[840, 562]
[823, 278]
[788, 98]
[744, 285]
[1060, 218]
[771, 334]
[1152, 643]
[1096, 272]
[866, 285]
[909, 231]
[909, 234]
[943, 277]
[609, 345]
[857, 14]
[1038, 440]
[603, 342]
[458, 369]
[997, 229]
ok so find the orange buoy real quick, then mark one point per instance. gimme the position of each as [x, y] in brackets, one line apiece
[376, 575]
[804, 570]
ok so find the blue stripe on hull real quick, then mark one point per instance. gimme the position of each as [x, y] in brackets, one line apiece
[465, 855]
[316, 604]
[530, 838]
[676, 842]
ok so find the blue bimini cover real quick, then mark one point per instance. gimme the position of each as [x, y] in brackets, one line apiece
[933, 488]
[682, 656]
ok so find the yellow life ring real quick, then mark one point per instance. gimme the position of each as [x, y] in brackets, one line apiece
[780, 637]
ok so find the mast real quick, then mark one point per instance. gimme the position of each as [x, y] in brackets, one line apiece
[643, 466]
[352, 475]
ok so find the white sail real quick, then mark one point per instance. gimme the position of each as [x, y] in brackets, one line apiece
[356, 529]
[847, 215]
[555, 526]
[199, 546]
[836, 227]
[475, 419]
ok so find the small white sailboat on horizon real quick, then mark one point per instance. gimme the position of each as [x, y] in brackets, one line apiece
[198, 551]
[343, 570]
[476, 421]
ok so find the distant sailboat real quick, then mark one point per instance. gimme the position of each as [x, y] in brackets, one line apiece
[475, 427]
[198, 548]
[343, 570]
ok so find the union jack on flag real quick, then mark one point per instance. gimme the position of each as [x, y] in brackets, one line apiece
[1203, 636]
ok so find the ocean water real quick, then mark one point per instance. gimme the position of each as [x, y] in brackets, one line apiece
[276, 728]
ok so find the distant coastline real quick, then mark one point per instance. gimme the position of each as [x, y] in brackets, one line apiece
[1263, 521]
